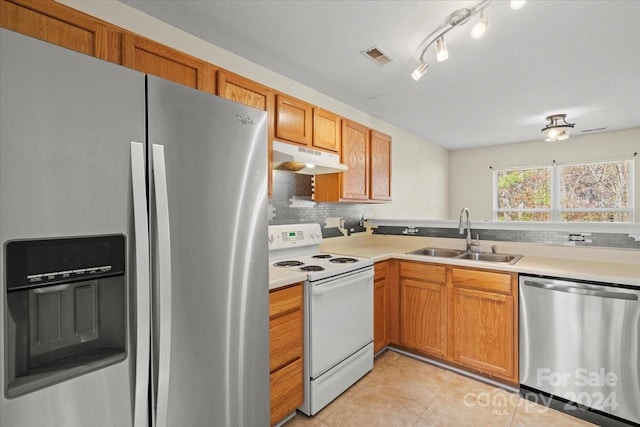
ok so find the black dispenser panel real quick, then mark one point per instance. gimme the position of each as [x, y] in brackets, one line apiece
[37, 263]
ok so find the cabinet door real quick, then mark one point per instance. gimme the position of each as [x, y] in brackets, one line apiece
[294, 120]
[355, 154]
[380, 338]
[327, 130]
[150, 57]
[61, 25]
[380, 166]
[423, 320]
[244, 91]
[483, 331]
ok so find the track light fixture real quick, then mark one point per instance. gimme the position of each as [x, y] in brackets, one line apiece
[455, 19]
[557, 128]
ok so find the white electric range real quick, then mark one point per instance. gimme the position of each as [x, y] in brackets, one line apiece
[338, 311]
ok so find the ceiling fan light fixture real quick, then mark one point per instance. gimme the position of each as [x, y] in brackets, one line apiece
[419, 72]
[517, 4]
[442, 54]
[480, 28]
[557, 128]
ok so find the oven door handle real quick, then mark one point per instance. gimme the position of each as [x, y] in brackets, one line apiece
[326, 288]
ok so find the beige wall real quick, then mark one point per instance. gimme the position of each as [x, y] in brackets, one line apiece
[412, 157]
[471, 179]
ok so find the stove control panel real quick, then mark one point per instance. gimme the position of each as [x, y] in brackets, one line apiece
[294, 235]
[290, 236]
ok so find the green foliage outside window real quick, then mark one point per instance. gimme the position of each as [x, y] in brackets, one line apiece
[589, 192]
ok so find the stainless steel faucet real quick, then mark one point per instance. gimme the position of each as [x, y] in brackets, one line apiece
[461, 227]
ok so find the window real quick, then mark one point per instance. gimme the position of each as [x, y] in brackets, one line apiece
[585, 192]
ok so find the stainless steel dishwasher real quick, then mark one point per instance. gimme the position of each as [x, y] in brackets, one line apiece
[579, 341]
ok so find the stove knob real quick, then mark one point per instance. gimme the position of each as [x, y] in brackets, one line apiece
[318, 234]
[270, 238]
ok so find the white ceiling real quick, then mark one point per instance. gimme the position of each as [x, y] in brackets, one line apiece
[579, 57]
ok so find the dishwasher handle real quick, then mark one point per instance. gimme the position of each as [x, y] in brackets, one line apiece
[581, 291]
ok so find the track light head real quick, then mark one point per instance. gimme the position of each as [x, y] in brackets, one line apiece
[442, 54]
[517, 4]
[420, 71]
[480, 28]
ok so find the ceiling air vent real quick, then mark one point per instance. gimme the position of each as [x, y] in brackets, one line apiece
[594, 130]
[377, 55]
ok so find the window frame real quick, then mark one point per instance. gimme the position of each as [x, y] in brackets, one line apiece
[556, 211]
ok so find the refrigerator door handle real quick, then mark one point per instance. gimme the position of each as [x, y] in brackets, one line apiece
[143, 315]
[164, 284]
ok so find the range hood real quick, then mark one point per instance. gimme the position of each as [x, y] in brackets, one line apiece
[305, 160]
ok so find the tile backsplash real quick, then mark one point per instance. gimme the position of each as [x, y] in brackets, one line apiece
[560, 238]
[291, 203]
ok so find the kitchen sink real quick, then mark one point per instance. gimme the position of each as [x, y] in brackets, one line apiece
[438, 252]
[509, 259]
[459, 254]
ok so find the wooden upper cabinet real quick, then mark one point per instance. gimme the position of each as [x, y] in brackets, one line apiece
[294, 120]
[244, 91]
[58, 24]
[355, 154]
[380, 166]
[367, 154]
[151, 57]
[327, 131]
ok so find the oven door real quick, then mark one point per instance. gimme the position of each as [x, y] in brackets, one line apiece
[340, 319]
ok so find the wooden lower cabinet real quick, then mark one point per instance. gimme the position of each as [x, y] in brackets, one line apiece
[464, 316]
[380, 307]
[483, 322]
[286, 350]
[423, 302]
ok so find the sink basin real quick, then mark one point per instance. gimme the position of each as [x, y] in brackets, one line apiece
[509, 259]
[438, 252]
[458, 254]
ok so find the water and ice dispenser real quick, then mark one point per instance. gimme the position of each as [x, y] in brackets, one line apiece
[66, 309]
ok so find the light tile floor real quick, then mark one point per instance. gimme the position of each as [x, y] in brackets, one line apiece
[401, 391]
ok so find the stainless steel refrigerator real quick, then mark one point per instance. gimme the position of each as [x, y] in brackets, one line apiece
[134, 259]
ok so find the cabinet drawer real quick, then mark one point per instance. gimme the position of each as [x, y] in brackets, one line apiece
[423, 271]
[380, 270]
[284, 300]
[286, 390]
[483, 280]
[285, 339]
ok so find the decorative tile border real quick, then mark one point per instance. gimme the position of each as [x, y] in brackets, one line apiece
[547, 237]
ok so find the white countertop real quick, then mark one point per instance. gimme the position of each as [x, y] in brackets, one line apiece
[603, 265]
[279, 277]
